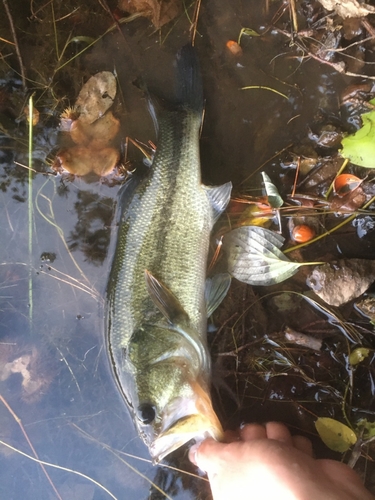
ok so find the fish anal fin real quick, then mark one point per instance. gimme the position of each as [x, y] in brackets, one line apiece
[165, 300]
[216, 289]
[219, 197]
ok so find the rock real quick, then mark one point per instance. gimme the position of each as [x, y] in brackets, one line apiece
[340, 281]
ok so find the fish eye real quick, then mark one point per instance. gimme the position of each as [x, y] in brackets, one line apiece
[146, 413]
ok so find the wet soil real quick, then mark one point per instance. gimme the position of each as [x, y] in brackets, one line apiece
[58, 233]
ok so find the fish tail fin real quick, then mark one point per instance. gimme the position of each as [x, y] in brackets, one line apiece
[189, 90]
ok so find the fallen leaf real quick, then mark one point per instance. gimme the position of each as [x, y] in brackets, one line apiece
[98, 134]
[337, 436]
[254, 257]
[358, 355]
[35, 118]
[273, 195]
[348, 8]
[96, 96]
[81, 161]
[367, 307]
[359, 147]
[159, 12]
[369, 428]
[350, 202]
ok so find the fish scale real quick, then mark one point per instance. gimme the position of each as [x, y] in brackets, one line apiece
[157, 326]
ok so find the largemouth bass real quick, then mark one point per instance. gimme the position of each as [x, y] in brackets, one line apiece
[156, 306]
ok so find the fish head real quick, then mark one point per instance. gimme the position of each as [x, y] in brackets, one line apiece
[170, 395]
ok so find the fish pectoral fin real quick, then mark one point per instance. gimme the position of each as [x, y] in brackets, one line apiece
[165, 300]
[219, 197]
[216, 289]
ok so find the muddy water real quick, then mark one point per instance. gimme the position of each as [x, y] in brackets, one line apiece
[58, 232]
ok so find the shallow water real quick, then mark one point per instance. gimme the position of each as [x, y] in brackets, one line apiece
[55, 251]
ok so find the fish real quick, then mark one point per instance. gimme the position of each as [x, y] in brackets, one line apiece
[158, 298]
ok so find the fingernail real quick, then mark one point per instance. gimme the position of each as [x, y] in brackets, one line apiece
[193, 453]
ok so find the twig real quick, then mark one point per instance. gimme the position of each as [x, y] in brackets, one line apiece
[13, 30]
[111, 450]
[42, 462]
[296, 176]
[292, 6]
[323, 235]
[193, 27]
[18, 420]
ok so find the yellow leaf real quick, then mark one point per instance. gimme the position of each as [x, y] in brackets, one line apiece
[334, 434]
[35, 115]
[358, 355]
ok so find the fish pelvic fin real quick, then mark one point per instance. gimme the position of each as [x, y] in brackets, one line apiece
[178, 319]
[165, 300]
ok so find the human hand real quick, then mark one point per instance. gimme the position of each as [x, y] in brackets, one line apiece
[266, 463]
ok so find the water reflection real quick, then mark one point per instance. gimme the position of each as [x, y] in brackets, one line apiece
[91, 233]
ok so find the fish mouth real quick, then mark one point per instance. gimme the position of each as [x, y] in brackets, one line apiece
[186, 420]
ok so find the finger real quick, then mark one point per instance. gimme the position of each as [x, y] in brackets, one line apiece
[253, 431]
[204, 454]
[303, 444]
[230, 436]
[279, 432]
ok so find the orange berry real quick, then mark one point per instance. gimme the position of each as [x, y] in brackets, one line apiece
[303, 233]
[234, 48]
[345, 183]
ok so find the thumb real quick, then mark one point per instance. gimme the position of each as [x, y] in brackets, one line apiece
[206, 455]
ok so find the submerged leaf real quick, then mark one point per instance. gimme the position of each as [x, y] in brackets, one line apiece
[96, 96]
[159, 11]
[367, 427]
[254, 256]
[358, 355]
[335, 435]
[248, 32]
[273, 195]
[359, 148]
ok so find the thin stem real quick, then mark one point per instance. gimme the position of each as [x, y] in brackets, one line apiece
[30, 213]
[13, 30]
[18, 420]
[320, 236]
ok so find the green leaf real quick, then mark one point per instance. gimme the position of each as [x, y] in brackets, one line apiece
[254, 256]
[359, 148]
[335, 435]
[369, 428]
[273, 195]
[358, 355]
[247, 32]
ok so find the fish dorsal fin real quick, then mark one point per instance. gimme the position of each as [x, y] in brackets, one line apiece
[165, 300]
[216, 289]
[219, 197]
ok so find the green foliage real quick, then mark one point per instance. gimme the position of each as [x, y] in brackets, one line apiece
[273, 195]
[254, 256]
[359, 148]
[358, 355]
[337, 436]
